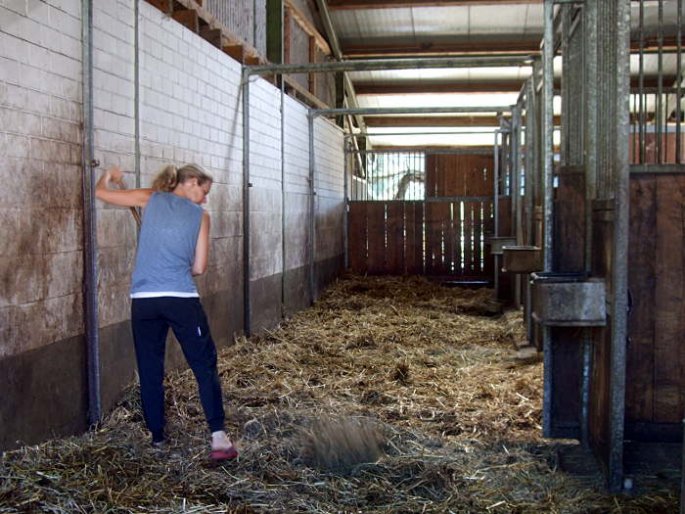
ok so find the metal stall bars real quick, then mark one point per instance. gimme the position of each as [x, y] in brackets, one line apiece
[585, 389]
[280, 69]
[654, 395]
[656, 95]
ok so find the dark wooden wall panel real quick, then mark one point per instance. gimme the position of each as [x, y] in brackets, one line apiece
[437, 221]
[357, 235]
[395, 238]
[569, 221]
[376, 237]
[641, 280]
[655, 394]
[600, 404]
[413, 216]
[446, 235]
[669, 320]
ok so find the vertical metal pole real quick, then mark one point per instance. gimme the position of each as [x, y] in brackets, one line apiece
[621, 188]
[284, 268]
[548, 132]
[516, 191]
[312, 210]
[90, 248]
[547, 152]
[495, 207]
[642, 115]
[678, 86]
[660, 104]
[136, 89]
[515, 141]
[590, 168]
[682, 466]
[247, 310]
[530, 159]
[346, 201]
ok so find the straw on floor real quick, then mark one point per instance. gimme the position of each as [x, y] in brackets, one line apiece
[389, 395]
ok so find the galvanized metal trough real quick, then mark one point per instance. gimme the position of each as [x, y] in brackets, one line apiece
[568, 299]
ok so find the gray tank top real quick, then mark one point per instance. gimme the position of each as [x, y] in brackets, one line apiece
[166, 248]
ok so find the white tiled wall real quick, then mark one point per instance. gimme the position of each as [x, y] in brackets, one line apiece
[40, 154]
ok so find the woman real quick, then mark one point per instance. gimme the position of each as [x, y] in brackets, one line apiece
[172, 248]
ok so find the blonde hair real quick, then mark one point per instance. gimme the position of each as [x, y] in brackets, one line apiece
[170, 176]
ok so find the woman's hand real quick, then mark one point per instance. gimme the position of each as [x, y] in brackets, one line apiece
[116, 176]
[120, 197]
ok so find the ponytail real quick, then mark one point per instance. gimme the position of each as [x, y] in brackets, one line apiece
[170, 176]
[166, 180]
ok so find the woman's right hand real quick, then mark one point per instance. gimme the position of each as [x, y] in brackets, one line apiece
[115, 175]
[121, 197]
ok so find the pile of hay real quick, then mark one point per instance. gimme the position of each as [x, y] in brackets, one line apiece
[390, 395]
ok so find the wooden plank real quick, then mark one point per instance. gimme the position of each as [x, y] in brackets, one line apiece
[569, 223]
[301, 19]
[376, 237]
[274, 31]
[437, 216]
[394, 256]
[236, 51]
[312, 78]
[356, 249]
[211, 35]
[188, 18]
[287, 35]
[413, 250]
[504, 209]
[430, 176]
[228, 37]
[477, 233]
[450, 241]
[166, 6]
[641, 285]
[670, 283]
[488, 227]
[452, 178]
[468, 238]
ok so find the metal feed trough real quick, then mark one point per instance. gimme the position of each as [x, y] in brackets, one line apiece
[568, 299]
[497, 244]
[522, 259]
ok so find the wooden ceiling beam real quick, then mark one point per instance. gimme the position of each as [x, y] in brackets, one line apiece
[649, 82]
[489, 46]
[355, 51]
[390, 4]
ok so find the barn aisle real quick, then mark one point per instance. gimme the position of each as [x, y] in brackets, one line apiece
[388, 395]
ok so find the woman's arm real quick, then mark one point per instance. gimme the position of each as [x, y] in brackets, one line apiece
[202, 247]
[120, 197]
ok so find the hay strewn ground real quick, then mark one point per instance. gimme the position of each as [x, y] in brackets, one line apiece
[388, 396]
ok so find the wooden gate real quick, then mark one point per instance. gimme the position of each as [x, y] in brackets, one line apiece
[445, 234]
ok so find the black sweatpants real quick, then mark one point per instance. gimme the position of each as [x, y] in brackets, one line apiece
[151, 319]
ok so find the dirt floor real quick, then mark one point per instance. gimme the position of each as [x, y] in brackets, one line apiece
[389, 395]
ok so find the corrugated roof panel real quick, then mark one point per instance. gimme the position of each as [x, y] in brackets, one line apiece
[436, 22]
[373, 23]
